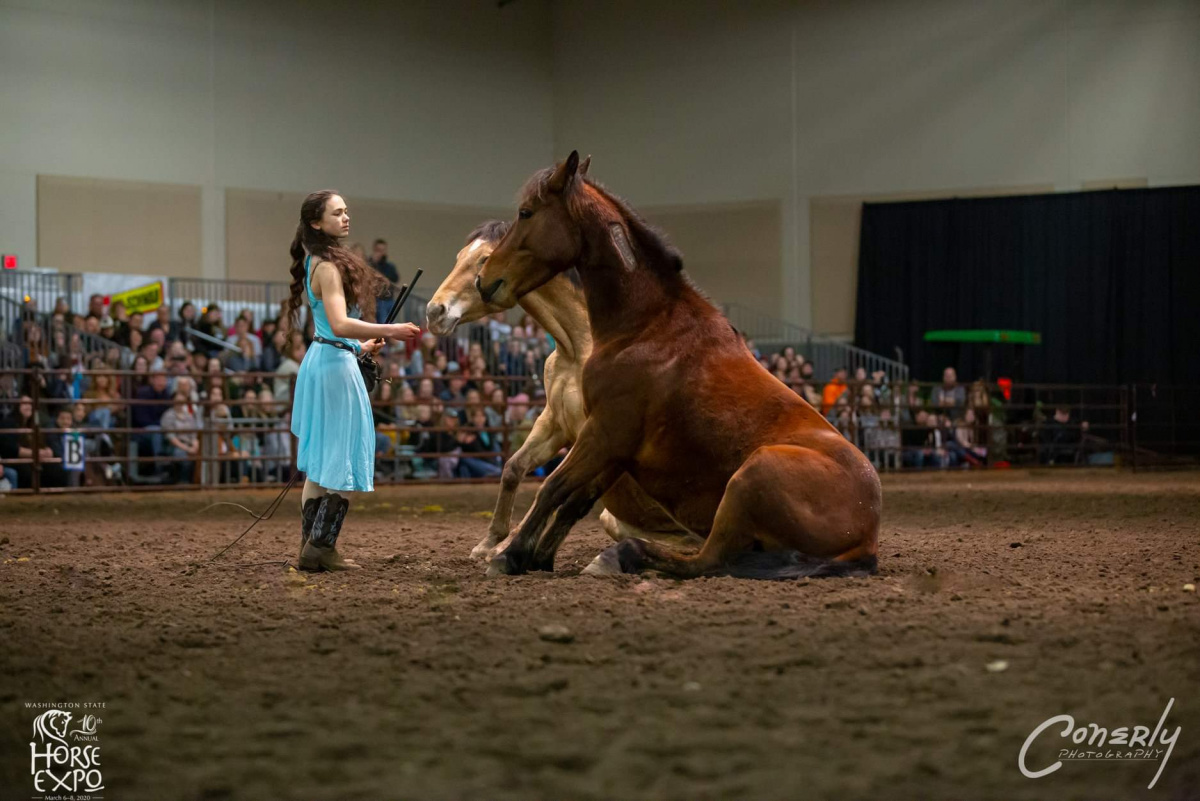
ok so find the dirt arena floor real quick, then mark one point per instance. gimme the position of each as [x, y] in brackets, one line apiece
[1002, 600]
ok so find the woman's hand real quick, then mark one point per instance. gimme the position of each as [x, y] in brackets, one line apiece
[371, 346]
[402, 331]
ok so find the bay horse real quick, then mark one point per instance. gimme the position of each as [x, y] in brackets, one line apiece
[676, 400]
[558, 307]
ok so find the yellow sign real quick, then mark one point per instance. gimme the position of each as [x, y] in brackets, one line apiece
[142, 299]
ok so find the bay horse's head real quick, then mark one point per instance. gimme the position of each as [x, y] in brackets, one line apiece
[543, 241]
[457, 300]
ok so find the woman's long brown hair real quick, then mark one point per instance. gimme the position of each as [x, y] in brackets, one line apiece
[361, 284]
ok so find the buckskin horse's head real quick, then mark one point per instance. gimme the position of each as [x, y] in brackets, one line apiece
[457, 300]
[543, 241]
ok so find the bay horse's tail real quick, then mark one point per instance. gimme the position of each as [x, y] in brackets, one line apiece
[791, 565]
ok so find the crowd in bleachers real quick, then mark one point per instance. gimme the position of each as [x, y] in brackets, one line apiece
[190, 396]
[909, 424]
[175, 389]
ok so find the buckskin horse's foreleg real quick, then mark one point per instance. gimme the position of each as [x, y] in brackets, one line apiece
[577, 483]
[546, 439]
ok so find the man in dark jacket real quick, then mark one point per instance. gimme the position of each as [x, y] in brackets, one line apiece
[379, 260]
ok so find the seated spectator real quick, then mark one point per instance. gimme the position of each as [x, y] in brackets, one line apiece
[277, 441]
[836, 388]
[444, 442]
[141, 374]
[1061, 438]
[406, 405]
[867, 417]
[147, 414]
[210, 325]
[127, 329]
[243, 360]
[8, 476]
[179, 424]
[105, 401]
[10, 392]
[36, 351]
[178, 361]
[96, 443]
[935, 449]
[479, 458]
[950, 395]
[108, 327]
[199, 363]
[22, 445]
[286, 371]
[187, 320]
[241, 330]
[883, 441]
[54, 472]
[272, 354]
[454, 393]
[153, 357]
[963, 445]
[518, 420]
[163, 322]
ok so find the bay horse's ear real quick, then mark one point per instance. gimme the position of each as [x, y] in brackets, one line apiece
[583, 166]
[563, 173]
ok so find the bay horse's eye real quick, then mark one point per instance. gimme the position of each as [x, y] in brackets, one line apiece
[524, 214]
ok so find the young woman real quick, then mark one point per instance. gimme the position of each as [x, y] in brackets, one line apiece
[331, 414]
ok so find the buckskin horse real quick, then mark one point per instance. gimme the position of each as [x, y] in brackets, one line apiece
[676, 400]
[558, 307]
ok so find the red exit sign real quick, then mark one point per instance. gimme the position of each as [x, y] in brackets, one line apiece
[10, 261]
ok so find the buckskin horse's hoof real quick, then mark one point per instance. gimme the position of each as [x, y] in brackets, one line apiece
[505, 563]
[608, 563]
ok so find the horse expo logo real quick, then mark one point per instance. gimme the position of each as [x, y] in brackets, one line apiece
[1093, 742]
[65, 762]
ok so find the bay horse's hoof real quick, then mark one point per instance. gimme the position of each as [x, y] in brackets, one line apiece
[505, 563]
[546, 564]
[608, 563]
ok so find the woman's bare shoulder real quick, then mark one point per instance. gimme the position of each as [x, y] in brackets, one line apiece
[325, 274]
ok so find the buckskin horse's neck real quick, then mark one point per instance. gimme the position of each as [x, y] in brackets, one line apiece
[558, 308]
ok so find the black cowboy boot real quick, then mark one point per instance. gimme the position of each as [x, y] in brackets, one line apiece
[308, 513]
[320, 552]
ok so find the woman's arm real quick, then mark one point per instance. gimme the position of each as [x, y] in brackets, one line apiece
[329, 281]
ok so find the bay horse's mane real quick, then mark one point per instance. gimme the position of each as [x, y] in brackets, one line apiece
[657, 253]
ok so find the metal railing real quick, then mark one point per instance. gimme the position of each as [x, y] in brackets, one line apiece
[225, 436]
[43, 289]
[59, 341]
[827, 354]
[235, 438]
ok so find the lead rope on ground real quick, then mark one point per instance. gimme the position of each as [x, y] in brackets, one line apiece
[267, 514]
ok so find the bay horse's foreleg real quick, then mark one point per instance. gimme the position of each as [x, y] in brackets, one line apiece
[546, 439]
[573, 509]
[589, 467]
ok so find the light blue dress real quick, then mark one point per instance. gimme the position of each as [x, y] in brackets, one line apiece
[331, 414]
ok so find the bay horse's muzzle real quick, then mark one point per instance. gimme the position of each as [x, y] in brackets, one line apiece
[489, 292]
